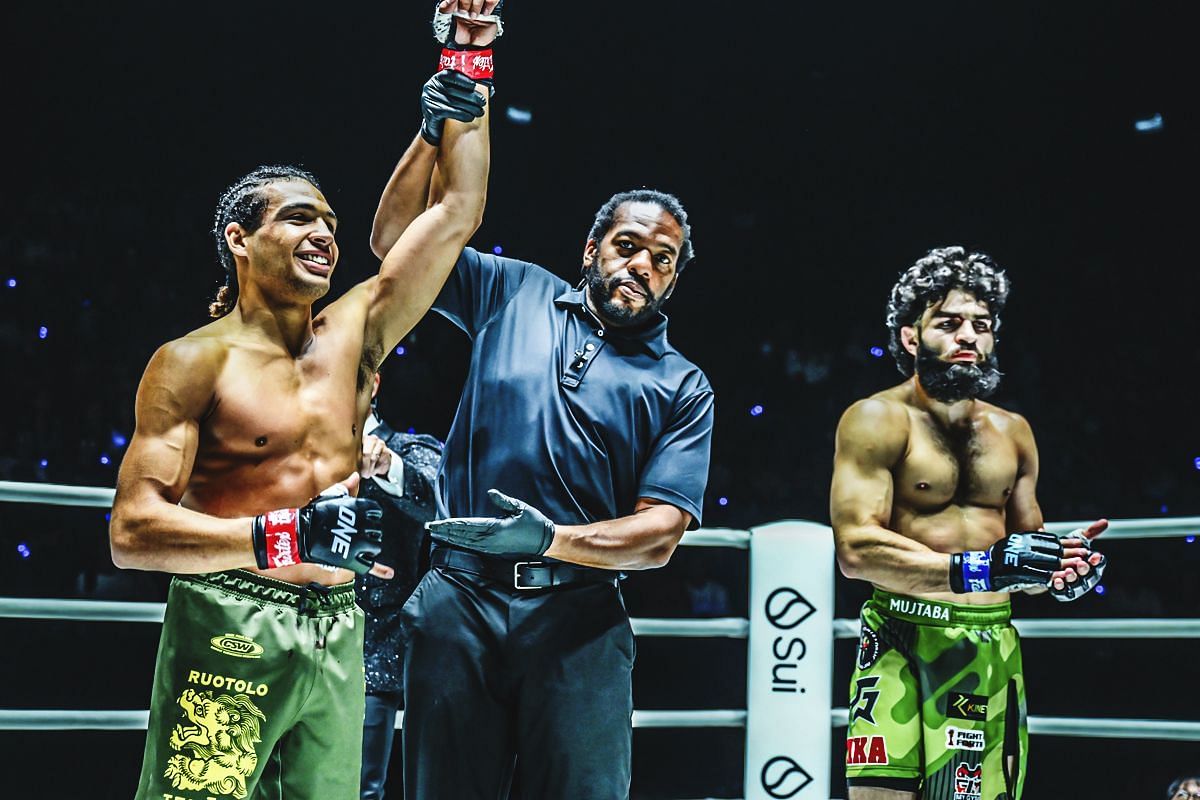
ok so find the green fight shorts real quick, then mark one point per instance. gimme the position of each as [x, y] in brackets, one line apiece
[937, 701]
[258, 692]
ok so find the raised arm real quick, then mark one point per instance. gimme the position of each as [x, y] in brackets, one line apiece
[871, 439]
[149, 529]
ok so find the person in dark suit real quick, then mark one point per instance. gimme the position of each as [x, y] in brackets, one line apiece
[399, 471]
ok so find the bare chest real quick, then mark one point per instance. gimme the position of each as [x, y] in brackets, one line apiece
[270, 408]
[975, 465]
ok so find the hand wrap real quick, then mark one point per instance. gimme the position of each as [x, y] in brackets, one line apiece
[473, 60]
[1016, 562]
[334, 529]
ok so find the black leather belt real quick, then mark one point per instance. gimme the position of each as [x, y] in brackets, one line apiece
[524, 575]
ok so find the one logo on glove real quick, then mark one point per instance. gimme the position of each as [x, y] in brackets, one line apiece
[342, 535]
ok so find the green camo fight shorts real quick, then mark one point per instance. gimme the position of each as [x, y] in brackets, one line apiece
[937, 701]
[258, 692]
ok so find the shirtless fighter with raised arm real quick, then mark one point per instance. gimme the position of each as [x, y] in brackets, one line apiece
[934, 503]
[240, 475]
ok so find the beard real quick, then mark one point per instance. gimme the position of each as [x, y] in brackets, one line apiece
[601, 290]
[949, 383]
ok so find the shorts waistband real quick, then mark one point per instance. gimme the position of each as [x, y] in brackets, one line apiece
[313, 599]
[933, 612]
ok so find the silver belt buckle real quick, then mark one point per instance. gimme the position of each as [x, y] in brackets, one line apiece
[517, 575]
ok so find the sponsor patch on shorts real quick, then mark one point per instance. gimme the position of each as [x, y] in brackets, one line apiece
[964, 739]
[868, 648]
[862, 706]
[866, 750]
[967, 706]
[968, 779]
[234, 644]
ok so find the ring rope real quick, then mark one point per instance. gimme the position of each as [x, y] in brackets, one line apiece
[719, 627]
[1082, 727]
[93, 610]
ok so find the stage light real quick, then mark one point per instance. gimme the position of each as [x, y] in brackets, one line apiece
[43, 332]
[104, 459]
[43, 463]
[401, 349]
[24, 550]
[498, 250]
[1100, 588]
[521, 116]
[756, 411]
[722, 501]
[877, 351]
[119, 440]
[1149, 125]
[12, 283]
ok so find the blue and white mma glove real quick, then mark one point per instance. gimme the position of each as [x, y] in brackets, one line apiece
[1076, 590]
[1017, 562]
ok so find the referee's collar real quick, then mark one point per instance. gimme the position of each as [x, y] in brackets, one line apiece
[652, 336]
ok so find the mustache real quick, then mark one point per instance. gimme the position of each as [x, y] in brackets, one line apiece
[635, 279]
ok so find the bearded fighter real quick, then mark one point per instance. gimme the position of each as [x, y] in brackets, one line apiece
[934, 502]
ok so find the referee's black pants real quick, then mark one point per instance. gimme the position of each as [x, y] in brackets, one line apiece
[498, 679]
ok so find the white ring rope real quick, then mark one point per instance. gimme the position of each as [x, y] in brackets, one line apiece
[729, 627]
[1084, 727]
[720, 627]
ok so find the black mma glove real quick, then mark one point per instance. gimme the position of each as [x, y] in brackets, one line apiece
[448, 95]
[334, 529]
[523, 530]
[1016, 562]
[1073, 591]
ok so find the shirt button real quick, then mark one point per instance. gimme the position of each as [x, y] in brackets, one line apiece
[589, 346]
[600, 334]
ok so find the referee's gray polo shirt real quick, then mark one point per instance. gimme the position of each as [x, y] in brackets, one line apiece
[576, 420]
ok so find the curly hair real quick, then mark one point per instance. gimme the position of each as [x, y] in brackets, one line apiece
[929, 280]
[667, 202]
[244, 202]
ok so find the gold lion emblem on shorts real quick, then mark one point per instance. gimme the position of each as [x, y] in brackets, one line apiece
[216, 746]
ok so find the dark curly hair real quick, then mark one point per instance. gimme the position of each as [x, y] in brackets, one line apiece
[244, 202]
[667, 202]
[929, 280]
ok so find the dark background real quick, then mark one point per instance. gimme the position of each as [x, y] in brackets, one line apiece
[819, 149]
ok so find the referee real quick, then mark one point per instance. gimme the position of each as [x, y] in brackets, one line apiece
[580, 448]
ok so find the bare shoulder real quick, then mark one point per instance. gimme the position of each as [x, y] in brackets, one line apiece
[880, 421]
[1007, 422]
[187, 368]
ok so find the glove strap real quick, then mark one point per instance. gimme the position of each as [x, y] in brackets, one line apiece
[478, 65]
[971, 571]
[277, 538]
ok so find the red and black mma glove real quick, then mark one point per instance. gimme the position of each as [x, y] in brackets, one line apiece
[474, 60]
[1017, 562]
[334, 529]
